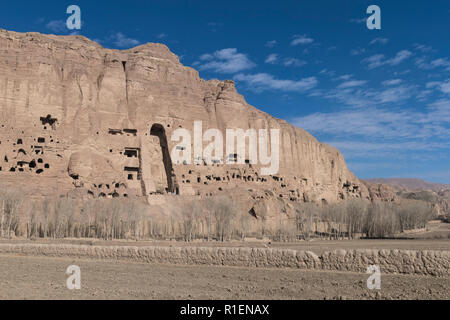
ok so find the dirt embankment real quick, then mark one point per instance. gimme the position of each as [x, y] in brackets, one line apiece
[390, 261]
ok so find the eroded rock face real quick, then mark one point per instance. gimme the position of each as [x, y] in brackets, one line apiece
[381, 192]
[74, 115]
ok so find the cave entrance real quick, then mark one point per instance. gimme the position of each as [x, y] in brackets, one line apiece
[158, 130]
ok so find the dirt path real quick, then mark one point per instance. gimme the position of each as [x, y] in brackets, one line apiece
[44, 278]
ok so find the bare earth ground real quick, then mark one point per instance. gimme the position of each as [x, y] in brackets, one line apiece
[33, 277]
[45, 278]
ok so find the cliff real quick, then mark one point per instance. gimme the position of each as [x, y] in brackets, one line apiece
[81, 119]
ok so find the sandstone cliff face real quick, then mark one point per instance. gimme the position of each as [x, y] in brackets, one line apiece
[74, 115]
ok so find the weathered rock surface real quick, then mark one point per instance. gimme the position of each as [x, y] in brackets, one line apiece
[76, 116]
[395, 189]
[379, 191]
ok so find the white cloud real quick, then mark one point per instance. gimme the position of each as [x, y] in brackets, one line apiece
[392, 82]
[379, 124]
[358, 20]
[301, 39]
[264, 81]
[271, 43]
[441, 62]
[327, 72]
[57, 26]
[121, 41]
[379, 60]
[399, 57]
[357, 51]
[374, 61]
[443, 86]
[351, 84]
[352, 95]
[422, 48]
[161, 35]
[271, 58]
[395, 94]
[226, 61]
[344, 77]
[379, 41]
[422, 63]
[288, 62]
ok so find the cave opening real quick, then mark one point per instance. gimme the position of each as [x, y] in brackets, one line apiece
[159, 131]
[49, 120]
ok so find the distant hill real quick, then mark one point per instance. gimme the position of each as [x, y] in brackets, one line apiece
[411, 184]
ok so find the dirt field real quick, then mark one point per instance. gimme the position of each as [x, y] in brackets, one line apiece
[44, 278]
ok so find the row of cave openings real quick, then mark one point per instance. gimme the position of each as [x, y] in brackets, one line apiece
[25, 162]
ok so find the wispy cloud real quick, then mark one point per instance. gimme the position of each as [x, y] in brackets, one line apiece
[301, 40]
[357, 51]
[441, 62]
[351, 84]
[350, 93]
[293, 62]
[422, 48]
[271, 43]
[358, 20]
[392, 82]
[264, 81]
[227, 60]
[287, 62]
[57, 26]
[386, 150]
[327, 72]
[427, 64]
[381, 124]
[122, 41]
[162, 35]
[443, 86]
[379, 60]
[344, 77]
[271, 58]
[390, 133]
[379, 41]
[214, 26]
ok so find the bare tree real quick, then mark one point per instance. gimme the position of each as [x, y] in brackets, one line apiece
[224, 212]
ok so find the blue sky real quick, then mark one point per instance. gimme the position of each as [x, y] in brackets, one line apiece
[382, 97]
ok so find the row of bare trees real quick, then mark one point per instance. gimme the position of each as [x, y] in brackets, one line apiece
[356, 218]
[108, 219]
[216, 218]
[10, 203]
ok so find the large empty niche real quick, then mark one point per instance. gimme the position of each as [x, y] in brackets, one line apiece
[158, 130]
